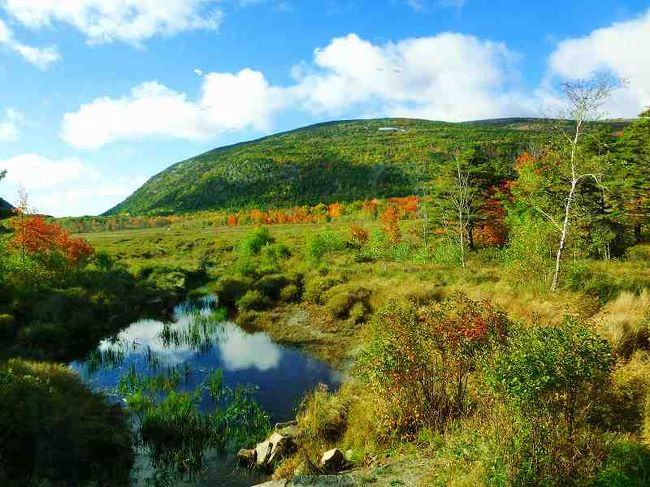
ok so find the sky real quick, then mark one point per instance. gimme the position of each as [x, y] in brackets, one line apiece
[97, 96]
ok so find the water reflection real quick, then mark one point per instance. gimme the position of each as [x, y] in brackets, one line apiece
[200, 340]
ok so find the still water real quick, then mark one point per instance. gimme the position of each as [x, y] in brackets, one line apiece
[282, 375]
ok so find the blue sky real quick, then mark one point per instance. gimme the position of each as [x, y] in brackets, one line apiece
[99, 95]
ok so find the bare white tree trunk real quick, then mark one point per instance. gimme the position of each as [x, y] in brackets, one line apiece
[585, 98]
[462, 201]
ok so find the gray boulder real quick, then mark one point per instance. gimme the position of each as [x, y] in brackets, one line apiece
[332, 461]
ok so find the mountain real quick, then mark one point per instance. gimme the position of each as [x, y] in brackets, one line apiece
[5, 208]
[333, 161]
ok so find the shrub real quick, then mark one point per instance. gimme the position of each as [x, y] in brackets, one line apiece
[418, 360]
[255, 241]
[323, 416]
[271, 286]
[316, 287]
[359, 235]
[57, 432]
[359, 313]
[230, 289]
[7, 326]
[627, 465]
[324, 243]
[290, 293]
[638, 253]
[553, 372]
[624, 402]
[340, 300]
[253, 300]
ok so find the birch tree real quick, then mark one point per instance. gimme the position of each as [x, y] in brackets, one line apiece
[461, 198]
[585, 99]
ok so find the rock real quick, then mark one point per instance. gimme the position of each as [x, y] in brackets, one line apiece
[332, 460]
[246, 457]
[263, 452]
[279, 426]
[290, 428]
[273, 449]
[282, 445]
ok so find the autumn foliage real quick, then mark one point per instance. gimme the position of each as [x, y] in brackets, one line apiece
[35, 236]
[419, 360]
[359, 235]
[390, 222]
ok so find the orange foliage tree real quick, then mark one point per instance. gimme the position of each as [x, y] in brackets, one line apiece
[359, 235]
[390, 222]
[33, 235]
[335, 210]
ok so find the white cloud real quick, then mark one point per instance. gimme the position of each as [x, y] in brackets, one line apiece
[9, 126]
[449, 76]
[41, 57]
[227, 102]
[445, 77]
[64, 187]
[131, 21]
[622, 49]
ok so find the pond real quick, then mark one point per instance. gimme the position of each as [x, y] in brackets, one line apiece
[199, 341]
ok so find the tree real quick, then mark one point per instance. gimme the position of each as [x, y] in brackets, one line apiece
[585, 98]
[3, 174]
[630, 176]
[459, 196]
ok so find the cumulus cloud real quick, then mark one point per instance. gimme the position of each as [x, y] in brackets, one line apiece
[131, 21]
[227, 102]
[622, 49]
[449, 76]
[41, 57]
[9, 125]
[445, 77]
[66, 186]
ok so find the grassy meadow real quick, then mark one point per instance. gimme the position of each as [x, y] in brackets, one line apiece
[316, 287]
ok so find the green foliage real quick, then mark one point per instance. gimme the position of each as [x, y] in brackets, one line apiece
[325, 163]
[174, 431]
[7, 326]
[315, 288]
[418, 360]
[638, 253]
[255, 241]
[555, 370]
[253, 300]
[530, 244]
[323, 243]
[290, 293]
[272, 285]
[54, 431]
[230, 289]
[627, 465]
[340, 301]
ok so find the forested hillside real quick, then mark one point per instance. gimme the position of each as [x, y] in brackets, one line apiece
[337, 161]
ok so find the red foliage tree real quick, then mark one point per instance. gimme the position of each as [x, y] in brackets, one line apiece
[33, 235]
